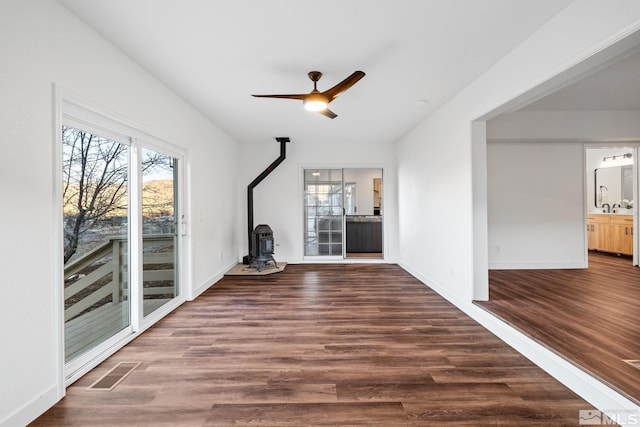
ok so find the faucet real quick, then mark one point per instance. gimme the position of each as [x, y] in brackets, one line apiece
[608, 207]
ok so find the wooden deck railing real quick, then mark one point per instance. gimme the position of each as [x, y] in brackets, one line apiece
[103, 272]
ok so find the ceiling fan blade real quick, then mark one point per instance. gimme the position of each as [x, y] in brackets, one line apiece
[293, 96]
[328, 113]
[335, 91]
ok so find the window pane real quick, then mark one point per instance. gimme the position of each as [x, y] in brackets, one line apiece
[323, 212]
[159, 236]
[96, 218]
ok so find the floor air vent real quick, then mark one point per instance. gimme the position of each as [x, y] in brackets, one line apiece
[111, 379]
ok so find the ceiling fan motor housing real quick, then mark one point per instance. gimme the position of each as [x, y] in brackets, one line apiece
[315, 75]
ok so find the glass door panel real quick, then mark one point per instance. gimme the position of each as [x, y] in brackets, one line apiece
[159, 229]
[323, 211]
[96, 259]
[364, 213]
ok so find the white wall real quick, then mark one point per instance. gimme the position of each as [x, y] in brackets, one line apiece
[565, 125]
[546, 147]
[278, 200]
[536, 205]
[436, 203]
[41, 43]
[436, 196]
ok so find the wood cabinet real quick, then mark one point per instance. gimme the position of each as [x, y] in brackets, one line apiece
[610, 233]
[622, 234]
[599, 232]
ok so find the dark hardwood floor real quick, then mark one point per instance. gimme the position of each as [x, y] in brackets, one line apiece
[359, 344]
[588, 316]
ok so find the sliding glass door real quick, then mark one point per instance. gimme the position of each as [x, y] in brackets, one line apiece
[343, 213]
[121, 241]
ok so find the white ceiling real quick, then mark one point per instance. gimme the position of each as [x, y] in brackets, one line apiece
[215, 54]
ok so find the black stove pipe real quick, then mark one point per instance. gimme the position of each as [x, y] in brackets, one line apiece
[283, 151]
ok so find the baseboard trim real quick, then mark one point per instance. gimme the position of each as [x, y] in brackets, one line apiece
[197, 291]
[32, 410]
[584, 385]
[537, 265]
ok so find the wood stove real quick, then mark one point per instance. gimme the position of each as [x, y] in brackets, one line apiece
[261, 238]
[262, 246]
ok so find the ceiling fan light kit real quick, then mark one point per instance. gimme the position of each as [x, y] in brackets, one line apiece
[315, 102]
[319, 101]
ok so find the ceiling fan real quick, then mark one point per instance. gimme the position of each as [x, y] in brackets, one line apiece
[319, 101]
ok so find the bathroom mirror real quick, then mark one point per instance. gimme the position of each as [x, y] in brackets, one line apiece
[612, 185]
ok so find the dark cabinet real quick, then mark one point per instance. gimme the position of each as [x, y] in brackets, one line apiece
[364, 236]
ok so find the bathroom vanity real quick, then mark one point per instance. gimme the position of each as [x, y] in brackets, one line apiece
[610, 233]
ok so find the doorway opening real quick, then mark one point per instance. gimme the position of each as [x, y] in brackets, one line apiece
[561, 301]
[610, 195]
